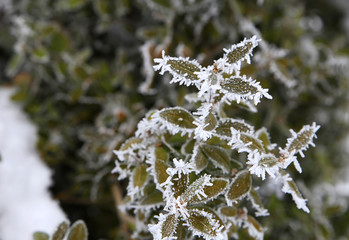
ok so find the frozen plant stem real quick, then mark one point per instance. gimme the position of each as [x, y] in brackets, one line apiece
[191, 184]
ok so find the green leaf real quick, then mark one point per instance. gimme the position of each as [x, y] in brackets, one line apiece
[179, 117]
[225, 125]
[218, 156]
[199, 159]
[263, 136]
[40, 236]
[229, 211]
[161, 154]
[140, 175]
[169, 226]
[240, 186]
[61, 231]
[152, 198]
[40, 55]
[211, 192]
[78, 231]
[161, 165]
[14, 64]
[211, 122]
[205, 221]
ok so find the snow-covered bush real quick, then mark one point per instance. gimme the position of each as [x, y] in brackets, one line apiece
[183, 179]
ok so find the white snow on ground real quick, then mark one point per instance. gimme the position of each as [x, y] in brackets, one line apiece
[25, 203]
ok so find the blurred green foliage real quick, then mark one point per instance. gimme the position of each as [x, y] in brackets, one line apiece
[81, 68]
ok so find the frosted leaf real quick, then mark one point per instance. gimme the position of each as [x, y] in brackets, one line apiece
[290, 187]
[210, 122]
[263, 135]
[140, 175]
[239, 88]
[297, 144]
[205, 123]
[153, 198]
[254, 228]
[239, 188]
[178, 117]
[237, 53]
[218, 156]
[301, 140]
[263, 163]
[245, 142]
[204, 222]
[225, 125]
[257, 203]
[183, 70]
[197, 188]
[230, 212]
[210, 191]
[198, 159]
[165, 228]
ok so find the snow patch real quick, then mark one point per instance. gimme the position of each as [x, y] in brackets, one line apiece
[25, 203]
